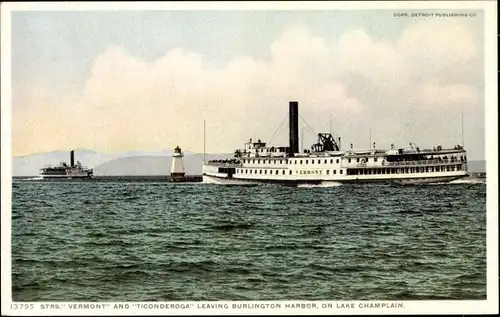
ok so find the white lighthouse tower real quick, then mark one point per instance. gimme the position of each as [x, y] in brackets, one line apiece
[177, 172]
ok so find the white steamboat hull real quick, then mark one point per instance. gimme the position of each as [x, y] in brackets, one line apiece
[72, 176]
[221, 179]
[429, 180]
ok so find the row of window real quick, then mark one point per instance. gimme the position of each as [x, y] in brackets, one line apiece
[250, 171]
[313, 161]
[406, 170]
[364, 160]
[263, 161]
[318, 172]
[360, 171]
[276, 150]
[297, 161]
[283, 172]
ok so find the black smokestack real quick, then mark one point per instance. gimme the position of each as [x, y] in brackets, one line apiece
[72, 159]
[294, 127]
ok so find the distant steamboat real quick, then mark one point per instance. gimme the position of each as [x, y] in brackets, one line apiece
[327, 164]
[65, 171]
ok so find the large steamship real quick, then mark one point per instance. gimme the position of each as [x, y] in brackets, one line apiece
[325, 163]
[65, 171]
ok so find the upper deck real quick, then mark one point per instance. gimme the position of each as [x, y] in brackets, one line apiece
[225, 163]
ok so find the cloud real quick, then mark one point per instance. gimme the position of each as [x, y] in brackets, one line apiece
[438, 44]
[379, 62]
[46, 122]
[128, 103]
[439, 97]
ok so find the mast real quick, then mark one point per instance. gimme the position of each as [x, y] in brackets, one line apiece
[302, 139]
[204, 141]
[463, 144]
[370, 139]
[330, 124]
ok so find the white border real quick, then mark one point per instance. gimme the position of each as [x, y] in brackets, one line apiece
[248, 5]
[489, 306]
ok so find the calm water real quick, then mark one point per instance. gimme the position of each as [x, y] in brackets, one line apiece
[156, 241]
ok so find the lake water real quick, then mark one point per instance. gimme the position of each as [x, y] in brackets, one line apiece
[138, 240]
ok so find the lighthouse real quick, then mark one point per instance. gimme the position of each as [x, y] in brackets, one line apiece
[177, 172]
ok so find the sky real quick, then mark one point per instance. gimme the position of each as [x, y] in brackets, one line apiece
[115, 81]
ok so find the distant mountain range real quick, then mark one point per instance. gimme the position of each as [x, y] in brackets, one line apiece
[133, 163]
[129, 163]
[153, 165]
[476, 166]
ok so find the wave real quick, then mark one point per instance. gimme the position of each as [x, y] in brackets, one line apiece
[37, 178]
[237, 270]
[193, 267]
[132, 274]
[469, 181]
[457, 182]
[321, 185]
[232, 226]
[341, 268]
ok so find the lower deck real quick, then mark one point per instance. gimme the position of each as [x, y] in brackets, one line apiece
[66, 175]
[224, 180]
[301, 174]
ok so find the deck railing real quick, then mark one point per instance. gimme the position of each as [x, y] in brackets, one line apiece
[413, 163]
[225, 163]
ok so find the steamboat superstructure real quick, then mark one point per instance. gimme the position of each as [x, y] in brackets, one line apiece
[326, 163]
[65, 171]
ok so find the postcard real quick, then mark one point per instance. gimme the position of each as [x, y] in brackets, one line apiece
[216, 158]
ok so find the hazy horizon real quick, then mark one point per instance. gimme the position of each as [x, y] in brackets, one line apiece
[167, 151]
[124, 81]
[146, 164]
[114, 153]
